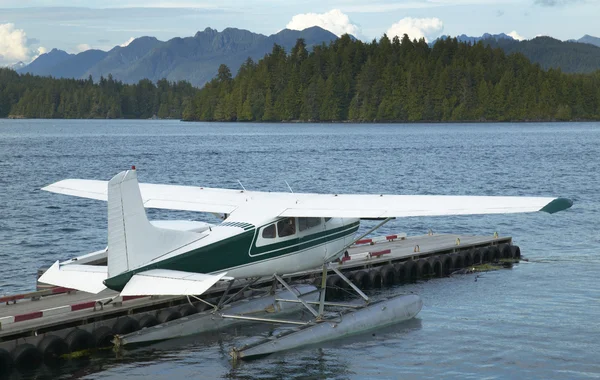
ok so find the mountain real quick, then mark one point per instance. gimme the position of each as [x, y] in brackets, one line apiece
[17, 66]
[473, 40]
[570, 57]
[44, 64]
[119, 58]
[587, 39]
[195, 59]
[78, 65]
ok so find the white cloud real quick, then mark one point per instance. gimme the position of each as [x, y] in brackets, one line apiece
[516, 36]
[126, 43]
[82, 47]
[416, 28]
[15, 46]
[335, 21]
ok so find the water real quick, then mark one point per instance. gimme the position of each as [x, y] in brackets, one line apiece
[538, 320]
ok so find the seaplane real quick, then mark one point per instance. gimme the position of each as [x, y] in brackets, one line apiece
[262, 234]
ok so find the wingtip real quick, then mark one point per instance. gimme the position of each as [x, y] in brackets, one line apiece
[558, 204]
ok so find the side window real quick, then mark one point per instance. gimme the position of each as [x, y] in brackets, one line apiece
[269, 232]
[286, 227]
[306, 223]
[327, 220]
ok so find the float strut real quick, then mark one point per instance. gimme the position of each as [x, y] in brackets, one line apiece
[310, 308]
[323, 290]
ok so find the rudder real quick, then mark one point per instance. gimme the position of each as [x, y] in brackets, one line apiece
[132, 240]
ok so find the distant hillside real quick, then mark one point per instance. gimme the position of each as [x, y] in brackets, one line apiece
[570, 57]
[587, 39]
[472, 40]
[194, 59]
[45, 63]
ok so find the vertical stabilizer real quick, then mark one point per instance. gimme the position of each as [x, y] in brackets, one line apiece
[132, 240]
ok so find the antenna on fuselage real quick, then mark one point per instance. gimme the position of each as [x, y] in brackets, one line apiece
[240, 182]
[288, 185]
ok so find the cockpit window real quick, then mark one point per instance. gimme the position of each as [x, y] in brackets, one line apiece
[286, 227]
[269, 232]
[327, 220]
[306, 223]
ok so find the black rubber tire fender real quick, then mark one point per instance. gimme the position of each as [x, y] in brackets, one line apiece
[79, 340]
[361, 279]
[167, 315]
[505, 251]
[148, 320]
[376, 278]
[494, 253]
[187, 309]
[447, 264]
[103, 337]
[516, 251]
[401, 274]
[424, 268]
[334, 287]
[125, 325]
[467, 257]
[26, 356]
[412, 271]
[52, 349]
[485, 255]
[389, 275]
[477, 257]
[6, 362]
[437, 268]
[457, 261]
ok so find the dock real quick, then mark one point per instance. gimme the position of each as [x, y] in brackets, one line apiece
[36, 322]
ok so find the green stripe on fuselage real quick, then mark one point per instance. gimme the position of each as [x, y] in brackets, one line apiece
[233, 252]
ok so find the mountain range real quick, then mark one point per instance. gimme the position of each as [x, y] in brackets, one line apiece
[572, 56]
[587, 39]
[195, 59]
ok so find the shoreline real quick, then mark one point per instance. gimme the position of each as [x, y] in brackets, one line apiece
[332, 122]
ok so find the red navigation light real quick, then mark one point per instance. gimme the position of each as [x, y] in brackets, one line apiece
[132, 167]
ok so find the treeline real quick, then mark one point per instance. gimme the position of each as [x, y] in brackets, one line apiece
[348, 80]
[31, 96]
[395, 80]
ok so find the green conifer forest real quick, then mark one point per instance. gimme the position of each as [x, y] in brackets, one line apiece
[396, 80]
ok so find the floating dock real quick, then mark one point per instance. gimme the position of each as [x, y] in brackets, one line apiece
[40, 327]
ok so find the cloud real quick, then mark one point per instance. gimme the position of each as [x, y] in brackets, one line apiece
[82, 47]
[335, 21]
[15, 46]
[555, 3]
[126, 43]
[516, 36]
[416, 28]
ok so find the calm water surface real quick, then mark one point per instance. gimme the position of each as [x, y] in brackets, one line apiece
[537, 320]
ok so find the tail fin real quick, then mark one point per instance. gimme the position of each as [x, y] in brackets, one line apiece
[132, 240]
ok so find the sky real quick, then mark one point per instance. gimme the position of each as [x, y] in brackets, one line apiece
[32, 27]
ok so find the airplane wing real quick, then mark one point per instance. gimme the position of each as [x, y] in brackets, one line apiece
[399, 206]
[171, 197]
[226, 201]
[165, 282]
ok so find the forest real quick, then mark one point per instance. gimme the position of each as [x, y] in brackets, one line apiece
[398, 80]
[28, 96]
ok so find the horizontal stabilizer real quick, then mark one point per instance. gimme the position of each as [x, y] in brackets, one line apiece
[87, 278]
[165, 282]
